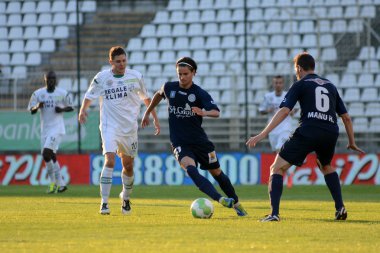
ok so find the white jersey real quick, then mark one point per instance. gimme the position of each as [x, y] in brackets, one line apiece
[119, 100]
[273, 101]
[51, 122]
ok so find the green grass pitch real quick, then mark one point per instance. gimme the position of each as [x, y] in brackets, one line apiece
[32, 221]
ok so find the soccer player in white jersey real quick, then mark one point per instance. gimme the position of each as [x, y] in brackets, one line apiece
[120, 91]
[52, 102]
[270, 105]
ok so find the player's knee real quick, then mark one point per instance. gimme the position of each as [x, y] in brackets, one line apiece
[275, 169]
[47, 154]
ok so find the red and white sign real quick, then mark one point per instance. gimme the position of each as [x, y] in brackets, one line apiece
[30, 169]
[351, 168]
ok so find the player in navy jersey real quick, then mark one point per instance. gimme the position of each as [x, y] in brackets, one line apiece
[318, 131]
[188, 103]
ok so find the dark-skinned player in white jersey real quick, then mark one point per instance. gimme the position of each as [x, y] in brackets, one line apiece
[317, 131]
[188, 103]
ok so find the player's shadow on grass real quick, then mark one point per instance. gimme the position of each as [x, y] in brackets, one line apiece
[346, 221]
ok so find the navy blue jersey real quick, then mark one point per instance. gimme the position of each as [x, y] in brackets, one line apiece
[319, 101]
[184, 125]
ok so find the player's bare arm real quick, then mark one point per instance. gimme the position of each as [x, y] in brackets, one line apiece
[204, 113]
[350, 133]
[34, 109]
[156, 122]
[64, 109]
[276, 120]
[153, 103]
[82, 117]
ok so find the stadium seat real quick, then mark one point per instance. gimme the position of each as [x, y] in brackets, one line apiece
[368, 11]
[176, 16]
[203, 68]
[163, 30]
[213, 42]
[32, 45]
[377, 81]
[354, 66]
[365, 80]
[150, 44]
[197, 43]
[360, 124]
[181, 43]
[237, 15]
[192, 16]
[224, 15]
[367, 53]
[371, 66]
[351, 12]
[29, 19]
[44, 19]
[28, 7]
[31, 32]
[231, 55]
[16, 46]
[88, 6]
[355, 25]
[263, 54]
[215, 55]
[19, 72]
[47, 45]
[148, 30]
[136, 57]
[208, 16]
[179, 30]
[209, 82]
[356, 109]
[348, 80]
[152, 57]
[71, 6]
[329, 54]
[221, 4]
[195, 29]
[134, 44]
[61, 32]
[372, 109]
[14, 20]
[374, 126]
[339, 26]
[335, 12]
[369, 95]
[58, 6]
[200, 56]
[255, 14]
[165, 44]
[210, 29]
[226, 28]
[334, 78]
[15, 32]
[13, 7]
[43, 6]
[190, 4]
[46, 32]
[18, 59]
[33, 59]
[323, 26]
[72, 18]
[175, 5]
[59, 19]
[271, 13]
[351, 94]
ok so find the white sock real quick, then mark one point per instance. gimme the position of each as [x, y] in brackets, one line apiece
[105, 183]
[127, 185]
[57, 173]
[50, 171]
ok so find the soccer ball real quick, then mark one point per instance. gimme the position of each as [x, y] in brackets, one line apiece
[202, 208]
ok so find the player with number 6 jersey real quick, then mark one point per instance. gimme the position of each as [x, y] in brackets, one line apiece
[317, 132]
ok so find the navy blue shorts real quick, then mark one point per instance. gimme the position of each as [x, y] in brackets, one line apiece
[204, 154]
[298, 146]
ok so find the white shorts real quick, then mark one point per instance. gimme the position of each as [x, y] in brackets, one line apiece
[51, 141]
[276, 140]
[120, 144]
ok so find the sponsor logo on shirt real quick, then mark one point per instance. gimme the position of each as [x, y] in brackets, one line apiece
[182, 93]
[116, 93]
[109, 82]
[172, 94]
[191, 97]
[181, 112]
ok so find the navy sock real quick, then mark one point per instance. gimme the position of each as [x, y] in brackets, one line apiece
[225, 184]
[333, 183]
[275, 192]
[203, 184]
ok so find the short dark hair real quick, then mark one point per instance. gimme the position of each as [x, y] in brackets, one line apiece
[187, 62]
[115, 51]
[305, 61]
